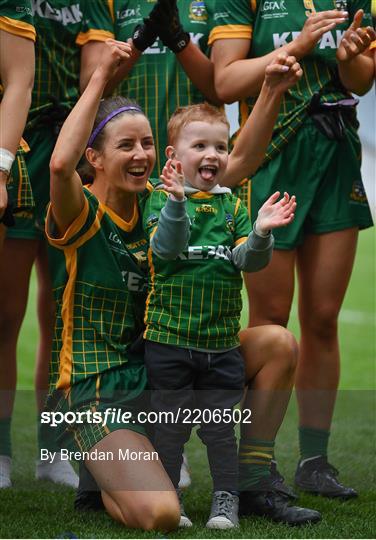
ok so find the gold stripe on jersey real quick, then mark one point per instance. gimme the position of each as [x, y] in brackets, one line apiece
[25, 147]
[67, 310]
[230, 31]
[93, 35]
[65, 360]
[111, 9]
[18, 28]
[237, 206]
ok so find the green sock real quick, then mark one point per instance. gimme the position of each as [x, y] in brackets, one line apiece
[255, 457]
[5, 442]
[313, 442]
[46, 436]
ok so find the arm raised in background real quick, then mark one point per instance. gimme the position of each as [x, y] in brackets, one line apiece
[237, 76]
[253, 140]
[355, 63]
[166, 22]
[67, 198]
[17, 66]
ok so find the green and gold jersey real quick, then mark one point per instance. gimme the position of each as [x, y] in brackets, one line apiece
[62, 27]
[195, 300]
[16, 18]
[270, 24]
[99, 273]
[157, 81]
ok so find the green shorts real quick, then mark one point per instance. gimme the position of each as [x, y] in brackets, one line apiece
[325, 177]
[18, 186]
[30, 221]
[122, 389]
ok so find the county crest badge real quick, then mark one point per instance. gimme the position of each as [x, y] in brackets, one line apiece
[197, 11]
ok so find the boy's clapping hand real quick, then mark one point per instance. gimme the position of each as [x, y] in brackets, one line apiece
[173, 179]
[282, 73]
[274, 213]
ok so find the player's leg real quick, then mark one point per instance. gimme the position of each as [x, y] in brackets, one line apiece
[137, 492]
[270, 356]
[325, 261]
[46, 319]
[58, 471]
[15, 266]
[324, 268]
[271, 290]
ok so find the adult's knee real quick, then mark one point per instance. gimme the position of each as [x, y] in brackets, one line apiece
[283, 349]
[161, 515]
[321, 322]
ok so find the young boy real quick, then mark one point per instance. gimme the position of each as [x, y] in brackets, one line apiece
[200, 241]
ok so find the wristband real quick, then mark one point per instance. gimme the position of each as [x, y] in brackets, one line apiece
[6, 160]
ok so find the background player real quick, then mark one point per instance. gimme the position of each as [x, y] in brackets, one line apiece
[333, 205]
[17, 37]
[71, 23]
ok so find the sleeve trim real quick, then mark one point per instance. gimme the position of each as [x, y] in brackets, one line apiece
[93, 35]
[72, 230]
[230, 31]
[18, 28]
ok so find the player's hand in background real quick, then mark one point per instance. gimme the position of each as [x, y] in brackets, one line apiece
[282, 73]
[355, 40]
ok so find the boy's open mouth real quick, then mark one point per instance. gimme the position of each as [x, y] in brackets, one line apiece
[208, 172]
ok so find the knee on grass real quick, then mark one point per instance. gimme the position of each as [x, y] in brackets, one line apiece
[162, 513]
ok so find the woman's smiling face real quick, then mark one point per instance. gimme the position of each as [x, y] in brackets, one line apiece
[128, 154]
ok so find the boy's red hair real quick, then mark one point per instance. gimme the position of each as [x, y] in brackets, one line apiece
[201, 112]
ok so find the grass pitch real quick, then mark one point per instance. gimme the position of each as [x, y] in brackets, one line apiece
[37, 510]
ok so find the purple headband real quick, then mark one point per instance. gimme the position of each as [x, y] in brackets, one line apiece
[101, 125]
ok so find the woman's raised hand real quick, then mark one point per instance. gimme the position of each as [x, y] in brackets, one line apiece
[355, 40]
[282, 73]
[114, 54]
[315, 27]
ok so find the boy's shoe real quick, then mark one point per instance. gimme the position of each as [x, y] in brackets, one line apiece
[184, 519]
[277, 478]
[268, 500]
[317, 476]
[224, 511]
[185, 477]
[5, 466]
[59, 471]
